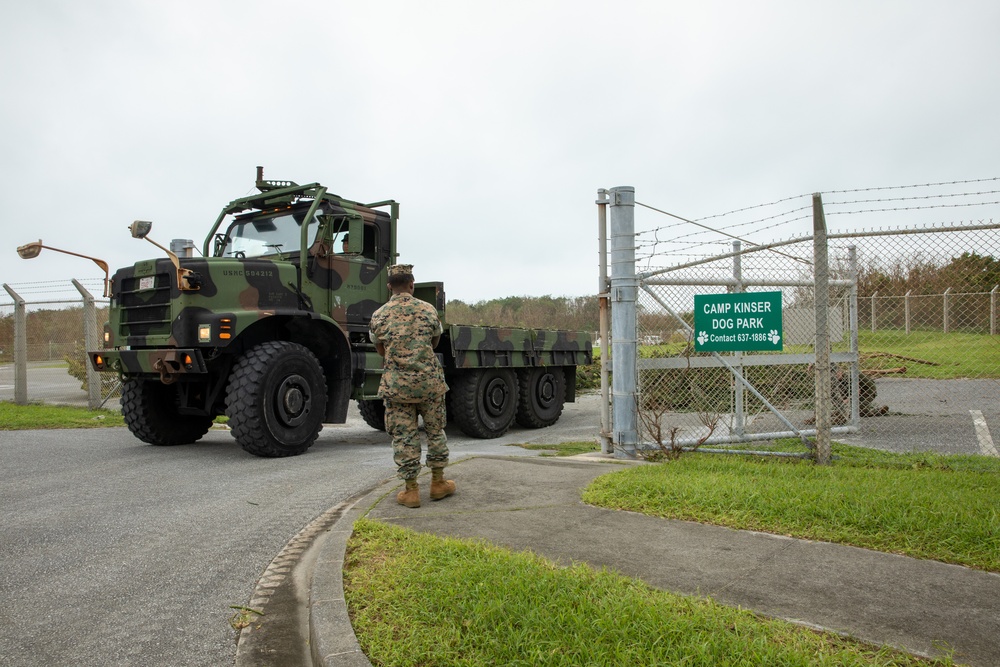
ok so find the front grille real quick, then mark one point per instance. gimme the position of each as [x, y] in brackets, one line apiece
[145, 305]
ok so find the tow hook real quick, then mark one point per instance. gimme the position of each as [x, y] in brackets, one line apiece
[166, 372]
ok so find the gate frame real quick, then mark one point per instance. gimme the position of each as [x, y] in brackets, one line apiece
[623, 290]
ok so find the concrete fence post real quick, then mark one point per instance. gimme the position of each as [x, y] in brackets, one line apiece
[821, 270]
[624, 291]
[20, 347]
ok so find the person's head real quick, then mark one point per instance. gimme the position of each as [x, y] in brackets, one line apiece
[346, 239]
[401, 278]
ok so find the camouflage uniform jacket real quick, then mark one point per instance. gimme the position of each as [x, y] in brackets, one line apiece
[406, 326]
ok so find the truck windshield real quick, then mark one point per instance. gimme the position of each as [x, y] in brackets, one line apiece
[268, 235]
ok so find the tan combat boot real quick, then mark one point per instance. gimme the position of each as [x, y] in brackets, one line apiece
[440, 487]
[410, 496]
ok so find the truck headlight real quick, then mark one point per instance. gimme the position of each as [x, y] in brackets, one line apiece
[204, 333]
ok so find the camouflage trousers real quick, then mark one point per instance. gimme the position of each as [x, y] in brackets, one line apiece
[401, 423]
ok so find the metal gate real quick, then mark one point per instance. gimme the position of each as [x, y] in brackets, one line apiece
[826, 380]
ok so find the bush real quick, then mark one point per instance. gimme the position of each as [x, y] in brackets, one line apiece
[77, 364]
[588, 377]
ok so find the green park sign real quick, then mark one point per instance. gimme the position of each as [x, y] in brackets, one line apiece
[737, 322]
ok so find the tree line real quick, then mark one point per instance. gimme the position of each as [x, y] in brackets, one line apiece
[64, 326]
[968, 272]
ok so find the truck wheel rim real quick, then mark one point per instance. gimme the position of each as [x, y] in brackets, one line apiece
[545, 391]
[293, 400]
[496, 396]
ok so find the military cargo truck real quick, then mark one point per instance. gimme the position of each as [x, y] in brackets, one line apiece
[270, 327]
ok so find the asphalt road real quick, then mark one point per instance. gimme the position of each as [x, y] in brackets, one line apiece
[113, 552]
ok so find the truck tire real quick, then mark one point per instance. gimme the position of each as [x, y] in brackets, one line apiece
[373, 412]
[150, 411]
[484, 401]
[276, 399]
[541, 392]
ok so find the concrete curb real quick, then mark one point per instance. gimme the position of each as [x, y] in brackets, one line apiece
[920, 606]
[332, 641]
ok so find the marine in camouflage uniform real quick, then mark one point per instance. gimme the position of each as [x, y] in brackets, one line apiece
[405, 331]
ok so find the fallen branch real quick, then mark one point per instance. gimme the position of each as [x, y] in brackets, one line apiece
[873, 355]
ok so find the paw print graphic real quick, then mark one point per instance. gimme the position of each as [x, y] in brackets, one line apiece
[774, 336]
[702, 338]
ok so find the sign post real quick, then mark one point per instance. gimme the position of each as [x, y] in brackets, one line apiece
[738, 322]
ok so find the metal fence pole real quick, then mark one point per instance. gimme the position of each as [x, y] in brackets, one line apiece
[624, 291]
[822, 301]
[874, 294]
[20, 347]
[947, 304]
[739, 418]
[906, 310]
[90, 343]
[603, 289]
[852, 254]
[993, 310]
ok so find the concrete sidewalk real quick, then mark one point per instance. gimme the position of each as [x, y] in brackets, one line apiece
[533, 503]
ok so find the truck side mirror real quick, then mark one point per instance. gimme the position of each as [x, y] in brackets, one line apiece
[140, 228]
[187, 280]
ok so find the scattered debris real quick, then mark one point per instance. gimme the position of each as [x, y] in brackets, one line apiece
[241, 619]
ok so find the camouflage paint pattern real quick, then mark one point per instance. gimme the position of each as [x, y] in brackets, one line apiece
[407, 326]
[496, 347]
[325, 298]
[401, 424]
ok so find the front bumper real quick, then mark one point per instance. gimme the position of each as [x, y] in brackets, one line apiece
[166, 363]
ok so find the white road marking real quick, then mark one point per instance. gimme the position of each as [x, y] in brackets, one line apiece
[983, 434]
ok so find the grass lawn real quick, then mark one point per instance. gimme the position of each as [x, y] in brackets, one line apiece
[937, 507]
[951, 355]
[957, 354]
[418, 599]
[34, 416]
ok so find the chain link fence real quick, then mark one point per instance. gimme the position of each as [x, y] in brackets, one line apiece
[43, 347]
[690, 399]
[911, 323]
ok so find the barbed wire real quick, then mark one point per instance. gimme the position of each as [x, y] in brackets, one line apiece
[750, 208]
[914, 198]
[52, 292]
[923, 185]
[911, 208]
[693, 240]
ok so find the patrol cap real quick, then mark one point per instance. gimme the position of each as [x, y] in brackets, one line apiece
[401, 270]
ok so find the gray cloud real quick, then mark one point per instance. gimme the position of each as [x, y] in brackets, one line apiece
[492, 124]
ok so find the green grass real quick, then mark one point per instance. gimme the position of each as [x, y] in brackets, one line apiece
[418, 599]
[957, 355]
[35, 416]
[935, 507]
[563, 449]
[951, 355]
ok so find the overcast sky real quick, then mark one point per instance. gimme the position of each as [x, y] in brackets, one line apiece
[492, 123]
